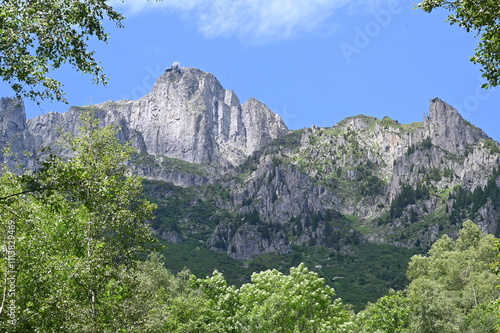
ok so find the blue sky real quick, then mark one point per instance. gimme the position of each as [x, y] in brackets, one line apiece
[311, 61]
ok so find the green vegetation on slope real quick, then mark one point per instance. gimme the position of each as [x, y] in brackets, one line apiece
[80, 222]
[363, 271]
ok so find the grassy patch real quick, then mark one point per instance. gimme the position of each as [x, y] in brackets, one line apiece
[290, 140]
[363, 227]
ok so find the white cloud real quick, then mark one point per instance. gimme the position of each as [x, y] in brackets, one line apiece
[247, 19]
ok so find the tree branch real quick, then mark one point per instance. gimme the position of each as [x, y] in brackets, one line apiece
[25, 192]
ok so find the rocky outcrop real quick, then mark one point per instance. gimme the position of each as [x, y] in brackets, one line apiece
[247, 241]
[359, 168]
[447, 129]
[445, 141]
[13, 134]
[12, 117]
[187, 116]
[262, 126]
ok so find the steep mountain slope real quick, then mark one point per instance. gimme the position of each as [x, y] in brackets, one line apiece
[395, 182]
[238, 191]
[332, 197]
[14, 134]
[188, 116]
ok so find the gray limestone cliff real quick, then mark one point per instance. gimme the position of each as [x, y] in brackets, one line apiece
[14, 134]
[187, 116]
[448, 129]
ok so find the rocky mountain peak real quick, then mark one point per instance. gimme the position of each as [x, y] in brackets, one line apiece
[185, 82]
[263, 125]
[448, 129]
[364, 179]
[187, 116]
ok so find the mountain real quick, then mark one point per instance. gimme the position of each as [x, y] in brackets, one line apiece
[188, 116]
[239, 192]
[396, 183]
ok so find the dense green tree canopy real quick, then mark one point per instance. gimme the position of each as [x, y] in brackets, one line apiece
[67, 230]
[275, 302]
[453, 289]
[298, 302]
[390, 314]
[483, 18]
[37, 37]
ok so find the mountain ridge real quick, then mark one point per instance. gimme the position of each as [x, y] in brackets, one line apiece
[267, 190]
[187, 116]
[360, 167]
[237, 190]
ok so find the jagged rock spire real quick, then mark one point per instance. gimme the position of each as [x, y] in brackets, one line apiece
[448, 129]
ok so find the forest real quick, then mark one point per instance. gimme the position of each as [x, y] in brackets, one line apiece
[78, 255]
